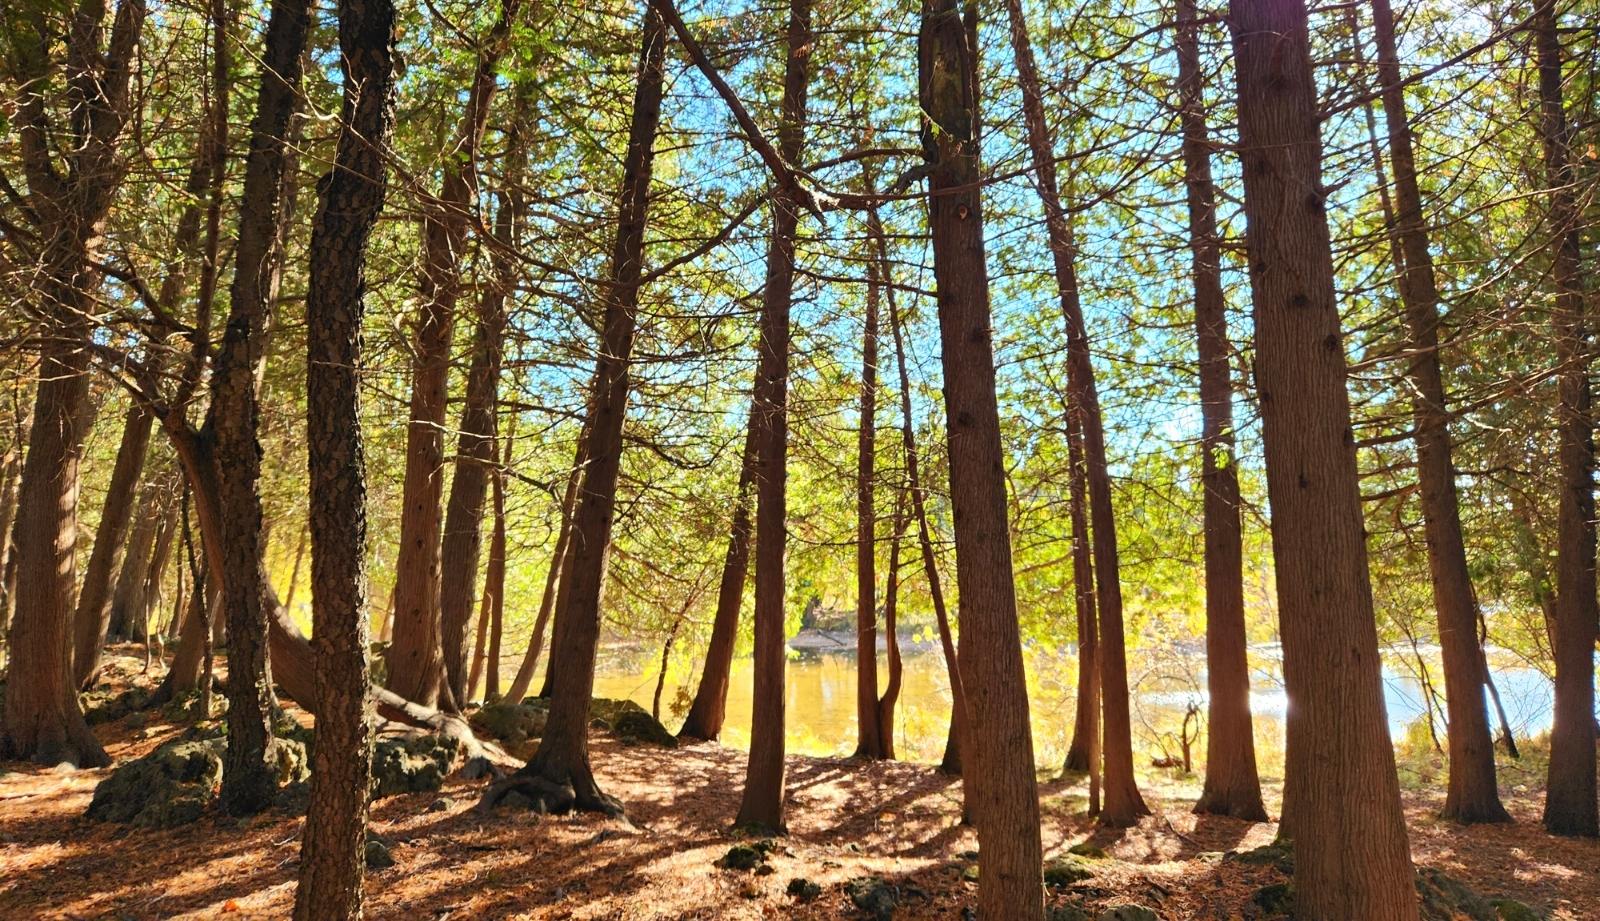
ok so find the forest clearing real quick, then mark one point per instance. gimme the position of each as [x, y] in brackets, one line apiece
[1019, 460]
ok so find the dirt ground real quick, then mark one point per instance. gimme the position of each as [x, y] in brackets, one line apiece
[846, 819]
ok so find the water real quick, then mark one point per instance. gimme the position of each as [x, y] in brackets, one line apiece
[821, 688]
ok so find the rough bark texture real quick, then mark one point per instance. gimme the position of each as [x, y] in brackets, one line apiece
[1342, 794]
[1232, 786]
[333, 847]
[249, 773]
[763, 800]
[559, 777]
[710, 705]
[42, 719]
[1084, 753]
[1570, 806]
[422, 641]
[891, 621]
[1471, 795]
[1123, 804]
[871, 742]
[92, 621]
[1001, 751]
[139, 574]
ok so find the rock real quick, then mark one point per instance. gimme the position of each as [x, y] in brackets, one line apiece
[169, 787]
[102, 706]
[803, 890]
[873, 897]
[1064, 871]
[137, 720]
[741, 857]
[1085, 849]
[1278, 854]
[442, 804]
[479, 767]
[1068, 912]
[411, 764]
[510, 722]
[1128, 913]
[1513, 910]
[379, 854]
[1445, 898]
[1274, 900]
[292, 760]
[636, 727]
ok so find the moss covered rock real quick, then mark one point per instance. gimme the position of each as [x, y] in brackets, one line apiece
[1064, 871]
[1275, 900]
[1278, 854]
[411, 764]
[1129, 913]
[513, 723]
[102, 706]
[169, 787]
[1445, 898]
[873, 896]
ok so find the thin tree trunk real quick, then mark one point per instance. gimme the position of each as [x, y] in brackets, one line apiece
[554, 577]
[8, 517]
[1084, 753]
[891, 603]
[1570, 806]
[333, 843]
[870, 736]
[1342, 794]
[559, 776]
[92, 621]
[494, 580]
[294, 570]
[1123, 803]
[762, 803]
[1232, 785]
[425, 643]
[1000, 756]
[710, 706]
[128, 598]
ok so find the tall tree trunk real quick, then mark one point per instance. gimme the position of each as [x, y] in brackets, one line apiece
[557, 578]
[422, 641]
[1471, 795]
[42, 719]
[494, 580]
[762, 803]
[93, 618]
[562, 760]
[1232, 786]
[891, 604]
[1342, 794]
[1084, 752]
[870, 736]
[129, 601]
[1123, 803]
[249, 775]
[710, 706]
[1000, 755]
[333, 846]
[12, 471]
[1570, 806]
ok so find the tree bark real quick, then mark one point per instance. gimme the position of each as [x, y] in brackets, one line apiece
[871, 742]
[710, 706]
[92, 620]
[562, 760]
[555, 577]
[1006, 809]
[423, 641]
[762, 803]
[891, 622]
[1232, 785]
[1123, 803]
[1084, 753]
[129, 601]
[333, 844]
[1342, 794]
[1570, 806]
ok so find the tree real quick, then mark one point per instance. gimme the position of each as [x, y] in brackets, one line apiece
[93, 618]
[1570, 806]
[763, 800]
[332, 853]
[70, 192]
[1123, 804]
[1342, 794]
[559, 776]
[1001, 750]
[872, 742]
[1232, 786]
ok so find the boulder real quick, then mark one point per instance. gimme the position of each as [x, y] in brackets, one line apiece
[169, 787]
[1278, 854]
[513, 723]
[1064, 871]
[411, 764]
[1128, 913]
[1275, 900]
[803, 890]
[874, 897]
[1445, 898]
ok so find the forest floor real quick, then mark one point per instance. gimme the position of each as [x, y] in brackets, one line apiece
[847, 819]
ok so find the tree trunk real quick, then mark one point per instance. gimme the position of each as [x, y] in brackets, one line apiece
[333, 844]
[710, 706]
[1232, 786]
[1471, 795]
[12, 472]
[891, 603]
[423, 641]
[1000, 755]
[762, 803]
[1084, 753]
[92, 621]
[562, 760]
[556, 577]
[494, 581]
[1570, 806]
[129, 602]
[1342, 794]
[871, 742]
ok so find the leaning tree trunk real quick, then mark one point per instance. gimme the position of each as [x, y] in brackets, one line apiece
[423, 642]
[1570, 805]
[1001, 751]
[710, 706]
[559, 776]
[1471, 795]
[1123, 803]
[1232, 786]
[763, 801]
[333, 845]
[92, 621]
[1342, 794]
[870, 736]
[249, 776]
